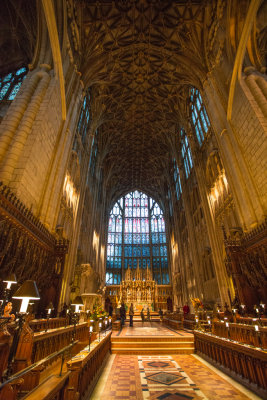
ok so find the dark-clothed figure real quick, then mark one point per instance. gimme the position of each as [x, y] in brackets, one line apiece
[110, 310]
[131, 314]
[122, 313]
[186, 309]
[148, 314]
[142, 315]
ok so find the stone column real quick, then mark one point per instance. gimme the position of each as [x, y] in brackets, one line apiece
[19, 121]
[220, 269]
[244, 192]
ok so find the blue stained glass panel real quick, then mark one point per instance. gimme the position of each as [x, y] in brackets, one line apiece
[139, 232]
[198, 113]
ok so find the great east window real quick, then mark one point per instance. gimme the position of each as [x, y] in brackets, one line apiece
[136, 234]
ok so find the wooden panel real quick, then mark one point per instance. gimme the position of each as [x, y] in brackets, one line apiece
[247, 363]
[242, 333]
[29, 250]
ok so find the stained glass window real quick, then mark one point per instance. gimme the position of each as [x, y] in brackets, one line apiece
[136, 231]
[11, 83]
[85, 116]
[186, 154]
[114, 247]
[93, 155]
[177, 180]
[199, 115]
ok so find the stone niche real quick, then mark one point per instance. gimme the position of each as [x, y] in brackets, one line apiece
[90, 287]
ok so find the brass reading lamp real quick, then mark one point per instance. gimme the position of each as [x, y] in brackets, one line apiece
[77, 302]
[10, 280]
[74, 317]
[49, 308]
[27, 291]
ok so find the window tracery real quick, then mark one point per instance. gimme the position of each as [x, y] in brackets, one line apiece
[11, 83]
[85, 116]
[136, 233]
[199, 116]
[186, 154]
[177, 181]
[93, 155]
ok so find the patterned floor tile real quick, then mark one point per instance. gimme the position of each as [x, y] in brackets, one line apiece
[174, 395]
[154, 383]
[163, 377]
[158, 364]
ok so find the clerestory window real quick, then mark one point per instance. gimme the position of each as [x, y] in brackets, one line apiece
[186, 154]
[199, 116]
[85, 116]
[11, 83]
[177, 180]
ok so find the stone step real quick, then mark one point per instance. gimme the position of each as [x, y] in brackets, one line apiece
[154, 350]
[154, 339]
[146, 344]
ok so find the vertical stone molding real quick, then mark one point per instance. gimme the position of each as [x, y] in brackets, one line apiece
[258, 87]
[37, 92]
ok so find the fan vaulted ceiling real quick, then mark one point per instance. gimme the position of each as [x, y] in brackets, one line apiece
[140, 56]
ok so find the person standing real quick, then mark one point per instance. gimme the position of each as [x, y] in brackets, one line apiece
[131, 314]
[122, 314]
[142, 316]
[148, 314]
[160, 314]
[186, 309]
[110, 310]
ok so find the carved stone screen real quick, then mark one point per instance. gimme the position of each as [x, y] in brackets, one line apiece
[136, 233]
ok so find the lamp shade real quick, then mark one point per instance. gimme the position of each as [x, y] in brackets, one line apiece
[27, 290]
[11, 279]
[50, 306]
[78, 301]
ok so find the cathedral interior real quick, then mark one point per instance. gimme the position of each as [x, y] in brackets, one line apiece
[133, 154]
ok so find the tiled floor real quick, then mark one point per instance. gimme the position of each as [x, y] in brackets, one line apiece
[177, 377]
[150, 329]
[163, 377]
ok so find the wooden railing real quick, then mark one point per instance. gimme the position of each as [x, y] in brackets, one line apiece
[174, 320]
[45, 343]
[80, 378]
[189, 321]
[248, 364]
[86, 367]
[38, 325]
[242, 333]
[28, 378]
[5, 344]
[54, 388]
[250, 321]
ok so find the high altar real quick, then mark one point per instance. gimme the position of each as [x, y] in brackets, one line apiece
[139, 288]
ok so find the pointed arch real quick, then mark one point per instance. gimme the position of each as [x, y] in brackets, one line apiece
[136, 234]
